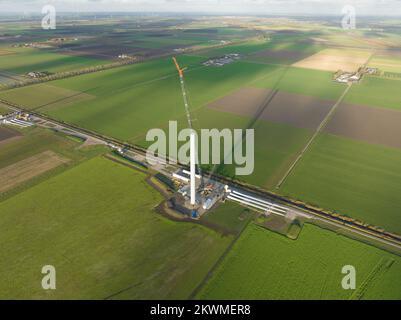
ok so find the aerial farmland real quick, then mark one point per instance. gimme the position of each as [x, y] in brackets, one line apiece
[81, 195]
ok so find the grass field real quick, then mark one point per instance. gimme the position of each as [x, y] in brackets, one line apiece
[275, 144]
[35, 141]
[266, 265]
[5, 52]
[25, 60]
[44, 96]
[95, 219]
[131, 90]
[95, 223]
[354, 178]
[26, 169]
[145, 94]
[229, 216]
[376, 92]
[243, 48]
[315, 83]
[275, 43]
[3, 109]
[386, 63]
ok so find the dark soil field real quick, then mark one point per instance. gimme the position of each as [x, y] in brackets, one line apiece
[293, 109]
[287, 56]
[110, 51]
[245, 101]
[29, 168]
[7, 133]
[372, 125]
[297, 110]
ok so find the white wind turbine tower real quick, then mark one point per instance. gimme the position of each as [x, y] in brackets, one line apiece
[192, 136]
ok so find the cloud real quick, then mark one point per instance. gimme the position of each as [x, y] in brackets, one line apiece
[230, 6]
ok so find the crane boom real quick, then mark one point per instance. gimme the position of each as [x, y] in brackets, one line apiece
[192, 138]
[184, 92]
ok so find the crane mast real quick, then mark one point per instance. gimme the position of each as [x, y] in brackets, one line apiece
[184, 92]
[192, 136]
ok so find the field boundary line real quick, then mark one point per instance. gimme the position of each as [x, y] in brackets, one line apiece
[312, 139]
[373, 274]
[254, 119]
[218, 262]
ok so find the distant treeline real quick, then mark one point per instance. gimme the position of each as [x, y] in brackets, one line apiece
[392, 75]
[67, 74]
[128, 61]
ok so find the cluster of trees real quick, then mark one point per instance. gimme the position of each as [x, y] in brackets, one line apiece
[67, 74]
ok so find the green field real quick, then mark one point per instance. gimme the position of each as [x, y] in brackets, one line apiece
[276, 144]
[242, 48]
[95, 223]
[354, 178]
[266, 265]
[35, 141]
[281, 48]
[118, 81]
[386, 63]
[230, 217]
[144, 96]
[376, 92]
[44, 96]
[307, 82]
[25, 60]
[131, 100]
[3, 109]
[274, 43]
[103, 221]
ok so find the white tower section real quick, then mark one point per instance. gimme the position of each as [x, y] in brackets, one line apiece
[192, 167]
[192, 136]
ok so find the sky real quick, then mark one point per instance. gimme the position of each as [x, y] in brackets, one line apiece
[262, 7]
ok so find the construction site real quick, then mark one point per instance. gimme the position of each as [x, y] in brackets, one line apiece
[208, 195]
[18, 119]
[197, 194]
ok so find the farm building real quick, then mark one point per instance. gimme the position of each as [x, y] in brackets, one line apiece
[347, 77]
[221, 61]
